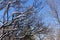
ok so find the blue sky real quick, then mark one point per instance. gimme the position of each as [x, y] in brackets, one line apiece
[46, 12]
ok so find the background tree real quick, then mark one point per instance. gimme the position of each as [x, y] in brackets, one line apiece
[25, 21]
[58, 35]
[54, 9]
